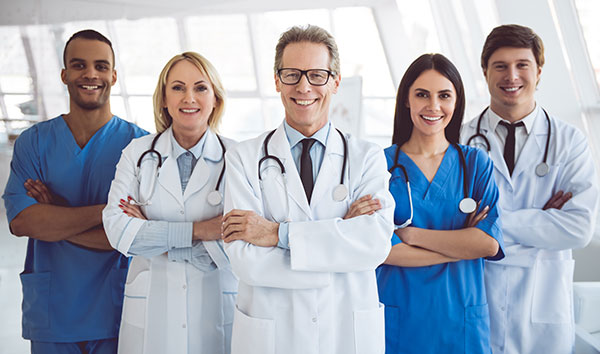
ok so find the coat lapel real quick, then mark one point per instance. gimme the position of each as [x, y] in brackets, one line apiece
[202, 171]
[331, 167]
[533, 150]
[168, 176]
[280, 147]
[496, 151]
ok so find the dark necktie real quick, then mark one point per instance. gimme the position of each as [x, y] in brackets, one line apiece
[509, 145]
[306, 173]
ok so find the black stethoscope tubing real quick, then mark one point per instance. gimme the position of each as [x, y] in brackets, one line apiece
[282, 168]
[152, 150]
[542, 167]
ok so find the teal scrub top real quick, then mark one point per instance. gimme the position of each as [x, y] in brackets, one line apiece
[70, 293]
[439, 308]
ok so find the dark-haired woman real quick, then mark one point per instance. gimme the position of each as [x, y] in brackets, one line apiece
[446, 217]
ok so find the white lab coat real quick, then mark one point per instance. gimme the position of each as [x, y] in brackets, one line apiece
[171, 307]
[320, 296]
[530, 290]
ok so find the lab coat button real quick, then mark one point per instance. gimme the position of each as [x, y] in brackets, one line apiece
[502, 308]
[181, 212]
[314, 319]
[184, 287]
[183, 325]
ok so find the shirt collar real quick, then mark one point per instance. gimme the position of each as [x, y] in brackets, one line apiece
[294, 136]
[528, 120]
[196, 150]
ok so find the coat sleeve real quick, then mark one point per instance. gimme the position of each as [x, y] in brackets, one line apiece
[120, 228]
[254, 265]
[573, 225]
[357, 244]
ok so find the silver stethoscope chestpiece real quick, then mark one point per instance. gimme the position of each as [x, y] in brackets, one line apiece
[542, 169]
[214, 198]
[467, 205]
[340, 192]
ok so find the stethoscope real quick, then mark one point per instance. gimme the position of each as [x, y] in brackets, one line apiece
[340, 192]
[541, 169]
[214, 198]
[467, 205]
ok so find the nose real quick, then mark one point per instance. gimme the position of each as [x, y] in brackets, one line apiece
[512, 73]
[434, 103]
[90, 73]
[303, 85]
[189, 96]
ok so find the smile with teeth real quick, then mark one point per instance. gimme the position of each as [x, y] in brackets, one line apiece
[431, 118]
[90, 87]
[305, 102]
[511, 89]
[189, 110]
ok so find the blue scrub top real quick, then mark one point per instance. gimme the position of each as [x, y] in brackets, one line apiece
[439, 308]
[70, 293]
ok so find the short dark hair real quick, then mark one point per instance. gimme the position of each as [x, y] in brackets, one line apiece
[515, 36]
[403, 124]
[88, 34]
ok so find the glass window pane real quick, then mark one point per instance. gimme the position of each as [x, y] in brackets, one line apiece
[144, 47]
[268, 27]
[117, 107]
[378, 115]
[361, 52]
[142, 112]
[229, 52]
[14, 70]
[20, 107]
[243, 119]
[588, 11]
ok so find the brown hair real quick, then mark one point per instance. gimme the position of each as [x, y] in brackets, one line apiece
[515, 36]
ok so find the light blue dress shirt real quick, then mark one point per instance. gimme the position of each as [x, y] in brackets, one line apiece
[317, 151]
[150, 239]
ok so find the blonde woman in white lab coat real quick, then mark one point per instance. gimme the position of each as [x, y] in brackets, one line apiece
[180, 291]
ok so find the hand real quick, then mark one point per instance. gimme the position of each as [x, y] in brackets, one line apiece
[131, 209]
[365, 205]
[474, 218]
[38, 191]
[248, 226]
[208, 230]
[558, 200]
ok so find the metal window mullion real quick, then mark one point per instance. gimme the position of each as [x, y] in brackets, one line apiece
[257, 74]
[115, 40]
[37, 92]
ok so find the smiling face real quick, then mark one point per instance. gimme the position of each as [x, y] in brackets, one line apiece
[189, 98]
[512, 76]
[431, 100]
[89, 73]
[306, 106]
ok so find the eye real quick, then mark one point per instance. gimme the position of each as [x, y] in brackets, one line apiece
[317, 75]
[291, 75]
[445, 96]
[422, 94]
[177, 88]
[201, 88]
[522, 65]
[77, 65]
[102, 67]
[499, 66]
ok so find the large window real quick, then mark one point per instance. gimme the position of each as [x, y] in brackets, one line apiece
[588, 11]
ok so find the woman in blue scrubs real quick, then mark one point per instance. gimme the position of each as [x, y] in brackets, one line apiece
[432, 281]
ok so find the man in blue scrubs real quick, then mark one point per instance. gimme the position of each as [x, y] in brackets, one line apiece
[59, 180]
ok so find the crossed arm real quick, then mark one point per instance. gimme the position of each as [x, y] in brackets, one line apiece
[52, 220]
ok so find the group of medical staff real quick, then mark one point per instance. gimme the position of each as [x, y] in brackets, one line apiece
[304, 239]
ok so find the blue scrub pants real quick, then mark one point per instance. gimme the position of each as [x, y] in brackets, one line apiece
[102, 346]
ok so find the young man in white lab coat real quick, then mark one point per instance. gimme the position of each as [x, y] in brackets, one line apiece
[304, 254]
[548, 203]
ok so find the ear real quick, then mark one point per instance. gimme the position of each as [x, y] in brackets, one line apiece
[114, 78]
[63, 76]
[336, 83]
[277, 83]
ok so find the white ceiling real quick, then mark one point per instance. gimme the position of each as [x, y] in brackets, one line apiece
[23, 12]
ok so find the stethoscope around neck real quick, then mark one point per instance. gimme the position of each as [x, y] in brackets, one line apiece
[214, 198]
[467, 205]
[340, 192]
[541, 169]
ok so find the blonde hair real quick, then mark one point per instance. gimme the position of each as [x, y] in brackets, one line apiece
[162, 118]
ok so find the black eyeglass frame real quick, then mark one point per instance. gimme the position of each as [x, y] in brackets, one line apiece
[305, 73]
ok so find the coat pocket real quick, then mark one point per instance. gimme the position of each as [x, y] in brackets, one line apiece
[477, 329]
[552, 292]
[136, 299]
[36, 300]
[252, 335]
[369, 331]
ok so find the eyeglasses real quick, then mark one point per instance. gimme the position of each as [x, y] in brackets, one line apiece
[315, 77]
